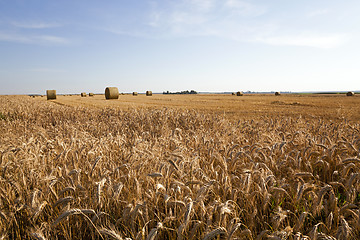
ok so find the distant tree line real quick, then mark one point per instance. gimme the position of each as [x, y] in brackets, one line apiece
[182, 92]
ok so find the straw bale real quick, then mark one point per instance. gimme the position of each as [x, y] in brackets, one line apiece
[111, 93]
[51, 94]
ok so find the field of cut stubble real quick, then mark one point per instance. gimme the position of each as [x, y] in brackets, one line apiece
[180, 167]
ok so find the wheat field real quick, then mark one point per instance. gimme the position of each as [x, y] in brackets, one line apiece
[176, 167]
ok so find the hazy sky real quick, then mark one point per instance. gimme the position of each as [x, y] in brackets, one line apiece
[207, 45]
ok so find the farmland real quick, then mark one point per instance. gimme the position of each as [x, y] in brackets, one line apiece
[254, 106]
[180, 167]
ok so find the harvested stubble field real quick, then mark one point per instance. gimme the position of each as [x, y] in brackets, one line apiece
[180, 167]
[254, 106]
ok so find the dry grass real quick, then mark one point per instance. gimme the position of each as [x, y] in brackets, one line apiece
[74, 172]
[328, 107]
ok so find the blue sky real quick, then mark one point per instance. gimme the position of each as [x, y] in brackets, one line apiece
[207, 45]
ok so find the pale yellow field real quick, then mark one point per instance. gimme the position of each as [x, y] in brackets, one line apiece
[254, 106]
[180, 167]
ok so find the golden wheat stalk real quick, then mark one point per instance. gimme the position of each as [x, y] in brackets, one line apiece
[218, 232]
[38, 235]
[154, 231]
[110, 233]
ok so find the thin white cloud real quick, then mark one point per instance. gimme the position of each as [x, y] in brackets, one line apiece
[187, 18]
[35, 25]
[51, 39]
[45, 70]
[201, 17]
[7, 37]
[305, 40]
[132, 33]
[33, 39]
[238, 20]
[244, 8]
[200, 5]
[318, 13]
[155, 18]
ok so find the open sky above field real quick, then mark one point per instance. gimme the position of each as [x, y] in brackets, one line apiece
[205, 45]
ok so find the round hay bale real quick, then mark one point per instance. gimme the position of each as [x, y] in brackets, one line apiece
[135, 93]
[233, 94]
[277, 93]
[111, 93]
[91, 94]
[349, 94]
[51, 94]
[148, 93]
[83, 94]
[239, 93]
